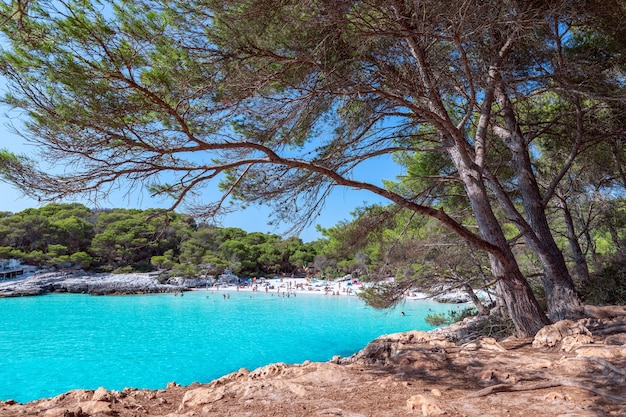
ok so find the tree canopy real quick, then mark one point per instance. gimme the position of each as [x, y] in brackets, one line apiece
[279, 103]
[73, 236]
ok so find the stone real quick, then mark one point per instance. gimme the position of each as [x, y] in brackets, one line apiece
[486, 343]
[201, 396]
[616, 339]
[331, 412]
[570, 343]
[95, 407]
[605, 352]
[555, 396]
[63, 412]
[101, 394]
[428, 406]
[553, 334]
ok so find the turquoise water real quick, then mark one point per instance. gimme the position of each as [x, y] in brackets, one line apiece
[54, 343]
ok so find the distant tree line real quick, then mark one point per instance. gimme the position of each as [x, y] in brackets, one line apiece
[378, 242]
[121, 240]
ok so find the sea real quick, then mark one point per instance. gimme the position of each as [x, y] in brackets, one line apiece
[54, 343]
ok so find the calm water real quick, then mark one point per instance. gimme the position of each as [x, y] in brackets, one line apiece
[53, 343]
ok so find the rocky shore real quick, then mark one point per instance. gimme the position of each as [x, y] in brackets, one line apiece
[94, 284]
[571, 369]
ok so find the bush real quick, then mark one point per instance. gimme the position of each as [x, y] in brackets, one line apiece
[452, 316]
[608, 286]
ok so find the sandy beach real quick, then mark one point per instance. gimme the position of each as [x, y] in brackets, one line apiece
[41, 282]
[287, 287]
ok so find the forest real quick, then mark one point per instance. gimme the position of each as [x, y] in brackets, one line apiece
[127, 240]
[376, 243]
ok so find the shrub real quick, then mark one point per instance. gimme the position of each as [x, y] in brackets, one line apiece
[452, 316]
[607, 286]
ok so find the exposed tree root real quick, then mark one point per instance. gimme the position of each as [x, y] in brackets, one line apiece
[542, 385]
[604, 312]
[513, 388]
[602, 362]
[620, 328]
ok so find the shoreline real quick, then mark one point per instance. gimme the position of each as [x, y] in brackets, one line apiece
[83, 283]
[147, 283]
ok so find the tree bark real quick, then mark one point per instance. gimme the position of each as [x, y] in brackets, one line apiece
[482, 310]
[561, 296]
[522, 305]
[581, 268]
[523, 308]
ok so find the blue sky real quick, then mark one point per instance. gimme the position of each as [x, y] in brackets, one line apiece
[339, 206]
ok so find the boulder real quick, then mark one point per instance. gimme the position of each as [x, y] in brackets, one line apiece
[553, 334]
[200, 396]
[427, 405]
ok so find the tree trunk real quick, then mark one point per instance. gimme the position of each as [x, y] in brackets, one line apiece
[561, 296]
[482, 310]
[614, 236]
[581, 269]
[521, 303]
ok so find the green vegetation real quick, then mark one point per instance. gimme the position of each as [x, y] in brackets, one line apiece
[379, 242]
[507, 117]
[123, 240]
[452, 316]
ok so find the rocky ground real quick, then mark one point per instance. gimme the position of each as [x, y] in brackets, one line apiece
[571, 369]
[82, 283]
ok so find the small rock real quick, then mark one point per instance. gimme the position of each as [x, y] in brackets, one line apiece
[555, 396]
[94, 407]
[428, 406]
[201, 396]
[436, 392]
[553, 335]
[331, 411]
[101, 394]
[616, 339]
[570, 343]
[605, 352]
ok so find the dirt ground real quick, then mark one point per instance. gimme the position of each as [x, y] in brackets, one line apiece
[571, 369]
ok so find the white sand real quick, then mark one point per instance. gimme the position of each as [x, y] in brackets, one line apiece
[296, 286]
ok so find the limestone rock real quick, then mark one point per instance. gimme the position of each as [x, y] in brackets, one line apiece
[486, 343]
[64, 412]
[324, 373]
[428, 406]
[553, 334]
[96, 407]
[96, 284]
[570, 343]
[604, 352]
[201, 396]
[101, 394]
[436, 393]
[338, 412]
[267, 371]
[616, 339]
